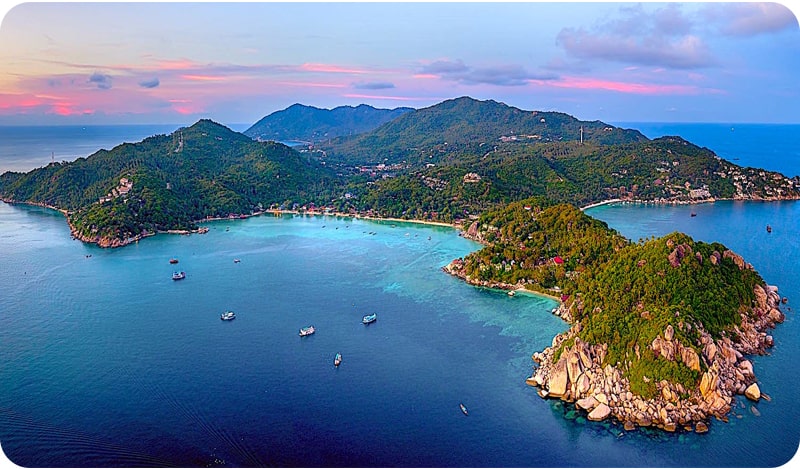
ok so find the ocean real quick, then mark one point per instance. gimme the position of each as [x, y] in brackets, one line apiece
[105, 361]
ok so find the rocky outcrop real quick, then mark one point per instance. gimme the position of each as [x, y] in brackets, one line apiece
[753, 392]
[580, 374]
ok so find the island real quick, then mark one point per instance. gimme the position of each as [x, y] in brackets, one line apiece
[447, 163]
[659, 329]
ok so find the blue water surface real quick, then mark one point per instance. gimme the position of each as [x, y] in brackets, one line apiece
[106, 362]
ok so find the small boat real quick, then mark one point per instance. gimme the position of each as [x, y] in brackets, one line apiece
[338, 359]
[769, 229]
[307, 331]
[236, 261]
[693, 214]
[370, 318]
[228, 316]
[512, 293]
[173, 261]
[463, 409]
[178, 275]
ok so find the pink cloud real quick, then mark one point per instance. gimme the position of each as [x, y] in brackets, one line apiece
[327, 68]
[182, 64]
[202, 77]
[624, 87]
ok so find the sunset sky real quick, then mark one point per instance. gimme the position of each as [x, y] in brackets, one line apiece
[68, 63]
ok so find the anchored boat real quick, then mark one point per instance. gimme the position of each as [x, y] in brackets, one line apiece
[307, 331]
[178, 275]
[228, 316]
[370, 318]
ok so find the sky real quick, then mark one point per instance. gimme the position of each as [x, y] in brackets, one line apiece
[126, 63]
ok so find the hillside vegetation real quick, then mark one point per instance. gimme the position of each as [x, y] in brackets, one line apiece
[311, 124]
[621, 293]
[205, 170]
[449, 162]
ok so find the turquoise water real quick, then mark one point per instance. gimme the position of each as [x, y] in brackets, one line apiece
[105, 361]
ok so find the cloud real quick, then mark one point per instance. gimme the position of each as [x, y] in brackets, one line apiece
[585, 83]
[152, 83]
[750, 19]
[102, 81]
[659, 38]
[444, 67]
[330, 68]
[502, 75]
[378, 85]
[391, 98]
[198, 77]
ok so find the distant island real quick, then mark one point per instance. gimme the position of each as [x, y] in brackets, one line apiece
[659, 328]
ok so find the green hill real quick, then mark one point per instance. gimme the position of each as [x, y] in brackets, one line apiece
[311, 124]
[448, 162]
[167, 182]
[667, 169]
[466, 125]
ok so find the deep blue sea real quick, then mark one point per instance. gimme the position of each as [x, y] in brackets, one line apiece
[106, 361]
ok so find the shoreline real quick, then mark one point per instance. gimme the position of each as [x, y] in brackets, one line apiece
[278, 213]
[709, 200]
[457, 225]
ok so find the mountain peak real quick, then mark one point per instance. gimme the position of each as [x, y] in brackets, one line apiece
[307, 123]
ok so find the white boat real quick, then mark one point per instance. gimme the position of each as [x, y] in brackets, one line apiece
[228, 316]
[178, 275]
[338, 359]
[370, 318]
[307, 331]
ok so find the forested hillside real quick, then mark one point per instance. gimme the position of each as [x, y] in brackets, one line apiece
[167, 182]
[312, 125]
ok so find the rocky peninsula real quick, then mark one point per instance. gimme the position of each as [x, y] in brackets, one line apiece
[659, 331]
[579, 374]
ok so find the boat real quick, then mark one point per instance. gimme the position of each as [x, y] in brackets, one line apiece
[178, 275]
[228, 316]
[463, 409]
[236, 261]
[693, 214]
[769, 229]
[370, 318]
[512, 293]
[338, 359]
[307, 331]
[173, 261]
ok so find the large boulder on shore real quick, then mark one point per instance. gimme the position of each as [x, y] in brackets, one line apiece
[587, 403]
[557, 385]
[600, 412]
[753, 392]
